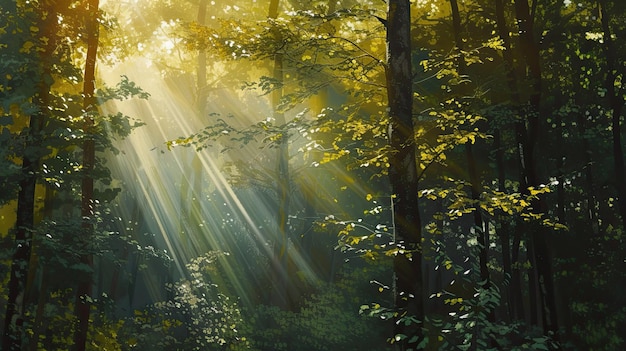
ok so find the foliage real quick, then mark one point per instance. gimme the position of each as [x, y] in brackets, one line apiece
[199, 316]
[467, 324]
[459, 314]
[327, 320]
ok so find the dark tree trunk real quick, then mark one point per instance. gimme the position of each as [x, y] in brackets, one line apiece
[14, 316]
[616, 102]
[475, 191]
[14, 313]
[543, 262]
[85, 285]
[520, 137]
[504, 227]
[471, 160]
[589, 185]
[403, 173]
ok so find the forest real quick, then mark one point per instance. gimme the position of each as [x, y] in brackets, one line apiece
[304, 175]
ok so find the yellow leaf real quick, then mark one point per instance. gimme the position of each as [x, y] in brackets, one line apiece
[368, 197]
[26, 47]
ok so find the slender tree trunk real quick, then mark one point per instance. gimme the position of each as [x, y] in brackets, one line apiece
[202, 62]
[280, 295]
[520, 140]
[403, 173]
[14, 314]
[560, 165]
[85, 286]
[616, 102]
[201, 107]
[589, 187]
[480, 227]
[191, 182]
[543, 261]
[184, 219]
[42, 300]
[503, 231]
[533, 291]
[471, 160]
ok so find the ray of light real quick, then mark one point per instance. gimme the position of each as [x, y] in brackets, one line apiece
[153, 179]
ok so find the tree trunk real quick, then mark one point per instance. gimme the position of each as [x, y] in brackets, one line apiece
[85, 286]
[280, 294]
[480, 227]
[543, 261]
[503, 231]
[403, 174]
[520, 139]
[38, 323]
[471, 161]
[14, 313]
[616, 102]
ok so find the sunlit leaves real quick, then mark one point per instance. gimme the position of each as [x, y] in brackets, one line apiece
[344, 46]
[124, 89]
[223, 136]
[198, 306]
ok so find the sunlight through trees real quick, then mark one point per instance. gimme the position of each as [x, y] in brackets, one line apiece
[312, 175]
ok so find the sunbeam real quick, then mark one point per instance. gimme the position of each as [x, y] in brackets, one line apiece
[154, 177]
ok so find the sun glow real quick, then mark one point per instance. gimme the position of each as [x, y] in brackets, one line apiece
[175, 191]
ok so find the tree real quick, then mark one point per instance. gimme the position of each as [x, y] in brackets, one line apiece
[44, 39]
[403, 175]
[280, 294]
[481, 227]
[542, 259]
[84, 290]
[46, 110]
[616, 103]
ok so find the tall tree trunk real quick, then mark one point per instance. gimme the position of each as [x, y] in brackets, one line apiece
[616, 102]
[589, 185]
[475, 191]
[520, 140]
[191, 182]
[85, 286]
[201, 107]
[14, 314]
[280, 295]
[480, 228]
[201, 83]
[403, 173]
[38, 326]
[504, 228]
[38, 323]
[543, 261]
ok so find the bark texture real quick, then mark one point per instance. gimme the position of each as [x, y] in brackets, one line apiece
[403, 174]
[85, 285]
